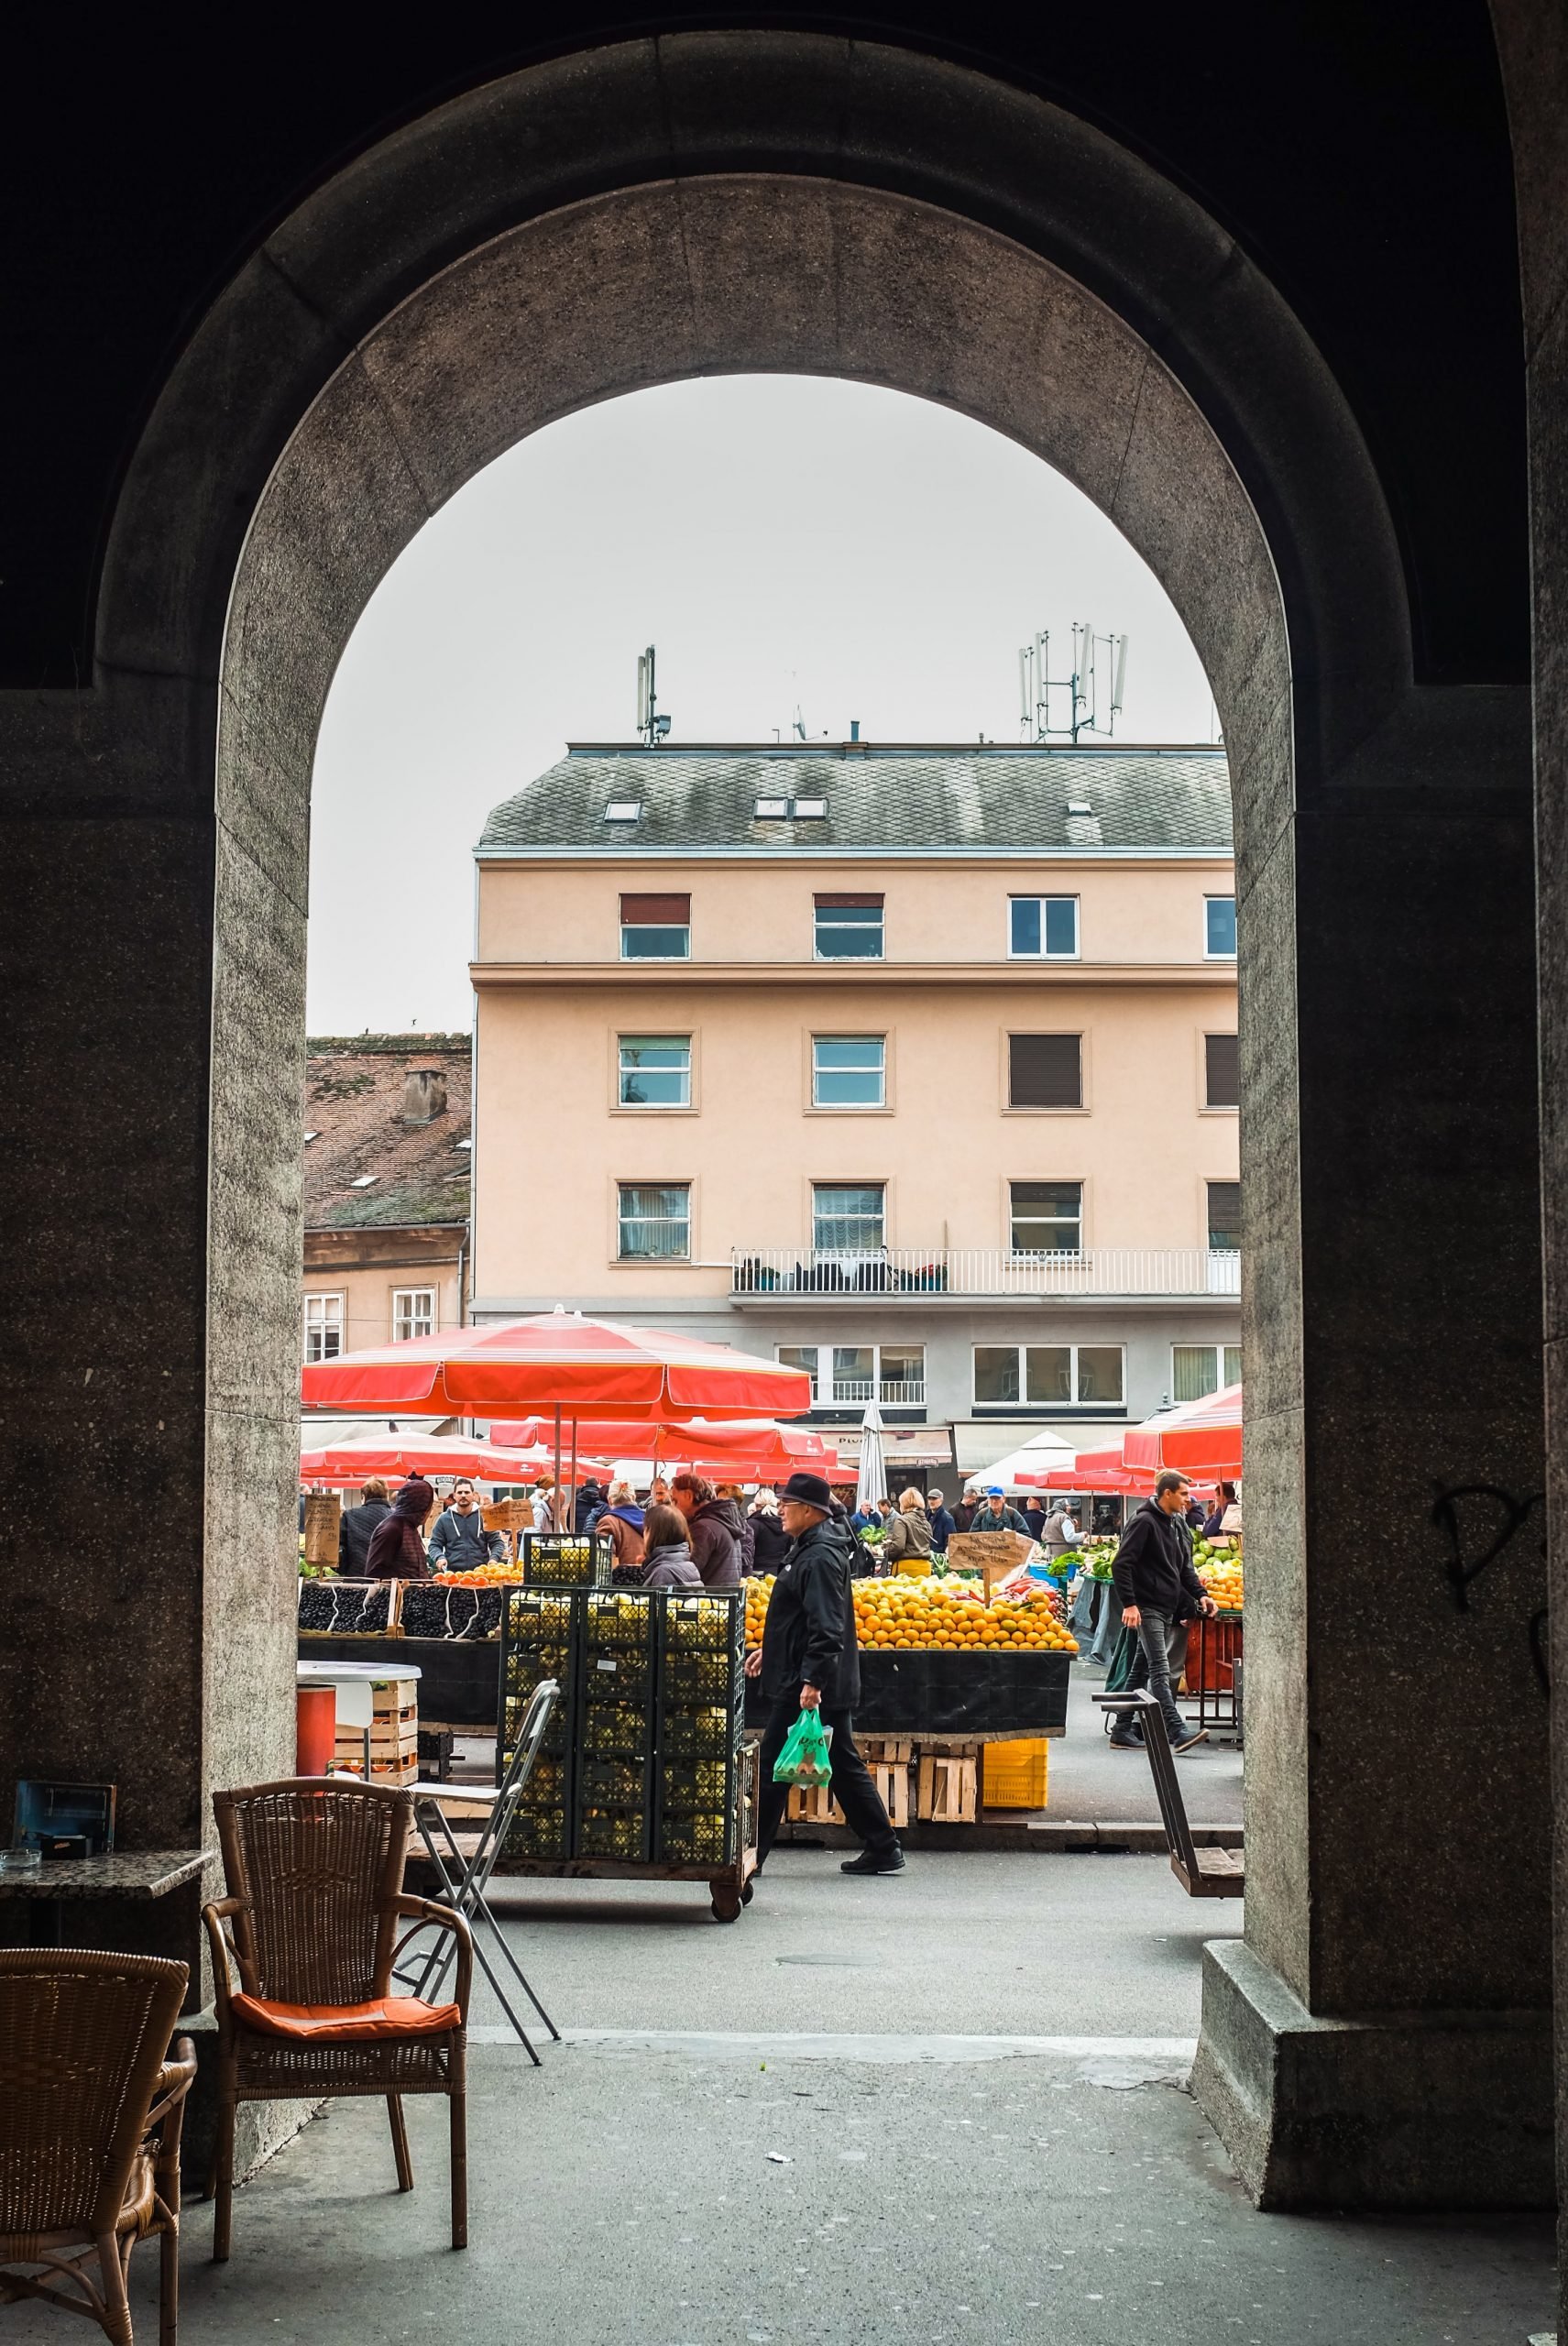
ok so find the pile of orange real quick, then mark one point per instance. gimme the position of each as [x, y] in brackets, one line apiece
[482, 1576]
[927, 1613]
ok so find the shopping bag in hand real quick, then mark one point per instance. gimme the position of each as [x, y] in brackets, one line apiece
[807, 1758]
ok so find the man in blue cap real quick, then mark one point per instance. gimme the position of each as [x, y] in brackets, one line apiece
[809, 1660]
[993, 1514]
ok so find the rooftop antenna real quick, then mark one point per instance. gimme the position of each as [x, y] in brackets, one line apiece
[1092, 703]
[652, 727]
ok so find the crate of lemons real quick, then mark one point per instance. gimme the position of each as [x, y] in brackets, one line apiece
[947, 1613]
[1219, 1564]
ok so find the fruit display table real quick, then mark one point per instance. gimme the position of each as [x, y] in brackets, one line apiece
[938, 1660]
[459, 1680]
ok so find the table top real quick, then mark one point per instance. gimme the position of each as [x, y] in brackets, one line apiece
[327, 1673]
[120, 1873]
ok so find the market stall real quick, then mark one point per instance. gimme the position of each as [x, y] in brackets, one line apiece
[951, 1672]
[645, 1769]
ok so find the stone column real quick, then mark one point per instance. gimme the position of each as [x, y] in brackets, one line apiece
[140, 1643]
[1381, 2037]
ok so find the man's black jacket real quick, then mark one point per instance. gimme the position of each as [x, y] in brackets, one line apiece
[1154, 1565]
[808, 1638]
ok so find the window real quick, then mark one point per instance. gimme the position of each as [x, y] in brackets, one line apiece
[847, 1220]
[776, 806]
[1220, 928]
[323, 1326]
[1224, 1217]
[655, 1071]
[364, 1181]
[1045, 1070]
[848, 1072]
[413, 1312]
[1042, 927]
[655, 928]
[849, 1376]
[848, 928]
[1221, 1071]
[1198, 1370]
[1047, 1218]
[800, 1356]
[624, 810]
[1049, 1377]
[655, 1222]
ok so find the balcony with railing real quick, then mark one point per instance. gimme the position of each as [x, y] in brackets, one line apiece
[776, 1273]
[888, 1392]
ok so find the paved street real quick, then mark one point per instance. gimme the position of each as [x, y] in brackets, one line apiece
[938, 2109]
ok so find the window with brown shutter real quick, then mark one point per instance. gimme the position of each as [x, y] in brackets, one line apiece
[655, 928]
[1224, 1216]
[655, 912]
[1045, 1070]
[1221, 1071]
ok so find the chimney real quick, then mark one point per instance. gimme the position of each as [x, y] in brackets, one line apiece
[424, 1095]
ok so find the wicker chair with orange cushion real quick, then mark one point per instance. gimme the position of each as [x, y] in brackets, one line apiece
[314, 1868]
[90, 2118]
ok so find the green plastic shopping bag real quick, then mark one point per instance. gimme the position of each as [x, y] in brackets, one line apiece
[806, 1757]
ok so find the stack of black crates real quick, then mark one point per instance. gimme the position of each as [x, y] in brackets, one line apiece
[640, 1763]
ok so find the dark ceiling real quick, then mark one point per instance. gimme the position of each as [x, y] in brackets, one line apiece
[1359, 152]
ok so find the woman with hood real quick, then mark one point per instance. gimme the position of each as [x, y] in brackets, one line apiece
[397, 1545]
[667, 1554]
[622, 1521]
[713, 1528]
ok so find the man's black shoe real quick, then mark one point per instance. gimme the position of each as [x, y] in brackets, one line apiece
[874, 1861]
[1134, 1742]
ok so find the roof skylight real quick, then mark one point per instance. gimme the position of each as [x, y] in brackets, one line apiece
[810, 809]
[624, 810]
[364, 1181]
[773, 810]
[778, 809]
[313, 1135]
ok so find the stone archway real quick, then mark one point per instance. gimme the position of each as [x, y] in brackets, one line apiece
[714, 203]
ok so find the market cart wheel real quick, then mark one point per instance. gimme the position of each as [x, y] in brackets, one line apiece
[725, 1906]
[748, 1894]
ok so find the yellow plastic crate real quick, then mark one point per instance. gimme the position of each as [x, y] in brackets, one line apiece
[1015, 1773]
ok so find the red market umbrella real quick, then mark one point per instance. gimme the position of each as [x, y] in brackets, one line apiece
[1091, 1471]
[1200, 1438]
[585, 1369]
[741, 1448]
[340, 1465]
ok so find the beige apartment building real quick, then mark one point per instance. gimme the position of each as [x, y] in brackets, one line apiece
[914, 1066]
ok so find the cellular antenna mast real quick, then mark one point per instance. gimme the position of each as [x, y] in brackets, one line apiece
[1088, 700]
[653, 729]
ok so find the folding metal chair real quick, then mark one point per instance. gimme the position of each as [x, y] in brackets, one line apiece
[465, 1874]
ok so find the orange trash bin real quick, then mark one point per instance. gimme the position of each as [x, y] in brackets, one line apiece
[315, 1730]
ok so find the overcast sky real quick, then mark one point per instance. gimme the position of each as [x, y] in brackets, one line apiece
[786, 543]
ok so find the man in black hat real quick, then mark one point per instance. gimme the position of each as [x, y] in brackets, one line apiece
[809, 1659]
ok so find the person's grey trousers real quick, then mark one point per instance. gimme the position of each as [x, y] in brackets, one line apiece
[1164, 1643]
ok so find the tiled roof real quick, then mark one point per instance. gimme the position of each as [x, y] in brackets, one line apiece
[897, 799]
[355, 1101]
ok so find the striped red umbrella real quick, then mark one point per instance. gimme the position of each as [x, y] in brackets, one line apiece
[1196, 1437]
[586, 1370]
[1092, 1470]
[341, 1464]
[740, 1447]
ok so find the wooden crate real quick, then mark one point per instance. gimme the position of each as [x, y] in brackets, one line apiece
[887, 1751]
[892, 1780]
[813, 1804]
[948, 1791]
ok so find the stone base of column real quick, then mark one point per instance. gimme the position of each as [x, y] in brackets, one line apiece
[1446, 2109]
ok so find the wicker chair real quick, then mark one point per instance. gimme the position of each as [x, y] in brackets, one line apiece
[314, 1868]
[90, 2118]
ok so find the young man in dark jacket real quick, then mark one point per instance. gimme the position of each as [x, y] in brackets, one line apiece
[809, 1660]
[1153, 1581]
[714, 1528]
